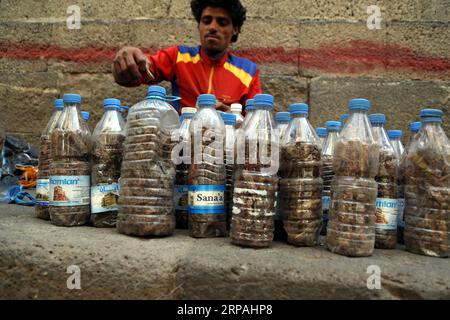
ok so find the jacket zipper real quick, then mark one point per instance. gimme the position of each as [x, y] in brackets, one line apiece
[210, 79]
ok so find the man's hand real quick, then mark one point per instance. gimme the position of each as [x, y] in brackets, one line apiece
[129, 65]
[222, 107]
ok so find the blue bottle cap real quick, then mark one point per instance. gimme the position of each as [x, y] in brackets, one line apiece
[228, 118]
[414, 127]
[249, 104]
[263, 100]
[359, 104]
[435, 113]
[205, 100]
[377, 118]
[111, 103]
[299, 108]
[283, 117]
[343, 118]
[333, 125]
[86, 115]
[156, 91]
[71, 98]
[394, 134]
[58, 104]
[321, 132]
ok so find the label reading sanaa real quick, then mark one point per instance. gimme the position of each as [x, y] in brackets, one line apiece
[207, 199]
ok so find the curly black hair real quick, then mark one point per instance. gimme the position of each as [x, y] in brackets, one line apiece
[234, 7]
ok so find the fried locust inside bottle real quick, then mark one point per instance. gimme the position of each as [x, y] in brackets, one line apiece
[70, 181]
[301, 184]
[207, 217]
[351, 225]
[256, 180]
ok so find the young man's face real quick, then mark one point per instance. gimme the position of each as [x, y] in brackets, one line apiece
[216, 30]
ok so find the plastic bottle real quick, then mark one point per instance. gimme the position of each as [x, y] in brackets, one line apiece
[395, 136]
[300, 182]
[282, 119]
[147, 174]
[427, 190]
[343, 119]
[42, 210]
[322, 134]
[256, 180]
[107, 152]
[124, 110]
[352, 215]
[230, 139]
[249, 108]
[70, 170]
[414, 129]
[207, 217]
[387, 179]
[333, 129]
[86, 115]
[180, 193]
[236, 109]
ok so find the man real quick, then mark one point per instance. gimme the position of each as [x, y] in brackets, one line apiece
[208, 68]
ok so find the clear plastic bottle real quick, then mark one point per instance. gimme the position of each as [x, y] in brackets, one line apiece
[427, 190]
[300, 182]
[70, 170]
[249, 108]
[343, 119]
[230, 140]
[395, 136]
[180, 193]
[327, 173]
[236, 109]
[42, 210]
[414, 129]
[387, 179]
[107, 152]
[322, 134]
[256, 180]
[207, 217]
[352, 215]
[147, 174]
[282, 119]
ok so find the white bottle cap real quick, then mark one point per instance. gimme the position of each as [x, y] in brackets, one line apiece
[188, 110]
[236, 107]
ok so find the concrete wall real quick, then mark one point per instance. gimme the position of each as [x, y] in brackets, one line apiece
[319, 51]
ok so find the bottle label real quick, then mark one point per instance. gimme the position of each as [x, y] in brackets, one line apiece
[104, 198]
[181, 197]
[326, 200]
[42, 192]
[207, 199]
[67, 191]
[386, 212]
[401, 210]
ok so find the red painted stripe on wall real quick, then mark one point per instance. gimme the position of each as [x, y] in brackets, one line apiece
[353, 57]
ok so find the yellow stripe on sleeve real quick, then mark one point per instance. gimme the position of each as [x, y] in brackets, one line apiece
[245, 78]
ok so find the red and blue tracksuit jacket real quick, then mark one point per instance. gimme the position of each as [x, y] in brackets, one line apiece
[192, 73]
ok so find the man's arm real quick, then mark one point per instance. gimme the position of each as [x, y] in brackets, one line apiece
[131, 67]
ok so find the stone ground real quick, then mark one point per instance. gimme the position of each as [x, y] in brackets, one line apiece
[35, 255]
